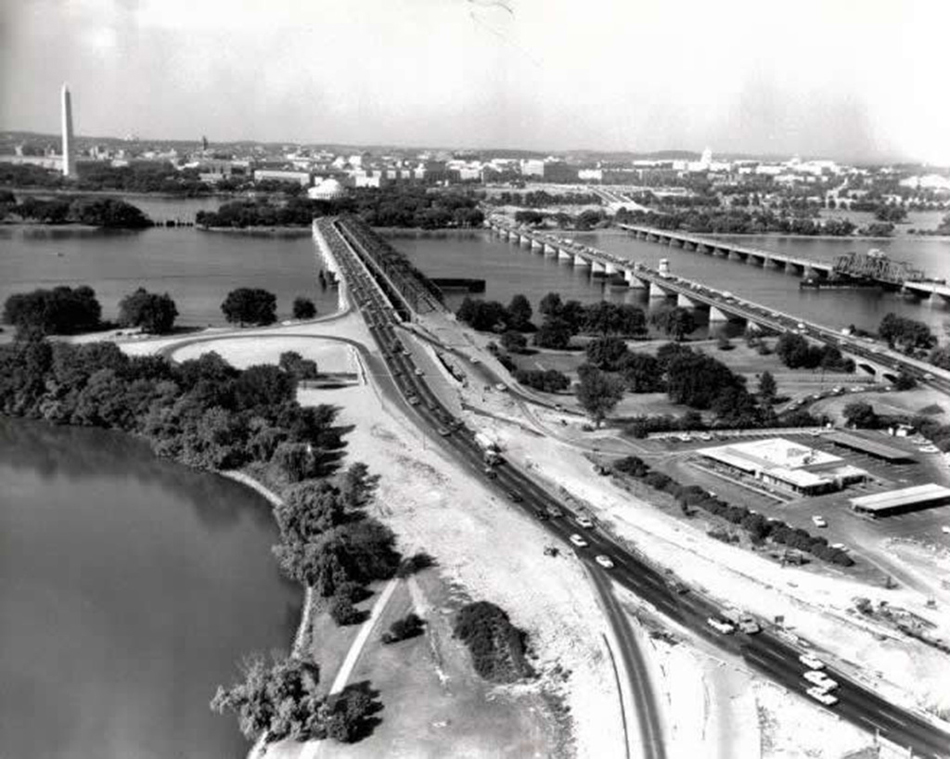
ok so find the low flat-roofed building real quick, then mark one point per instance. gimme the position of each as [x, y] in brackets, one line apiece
[870, 447]
[276, 175]
[790, 466]
[901, 501]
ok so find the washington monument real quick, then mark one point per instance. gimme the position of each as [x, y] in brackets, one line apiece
[69, 158]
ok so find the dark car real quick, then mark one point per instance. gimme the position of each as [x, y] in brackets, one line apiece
[515, 496]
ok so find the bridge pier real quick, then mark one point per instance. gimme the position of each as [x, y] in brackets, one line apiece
[715, 315]
[563, 255]
[580, 261]
[597, 269]
[684, 302]
[633, 280]
[536, 245]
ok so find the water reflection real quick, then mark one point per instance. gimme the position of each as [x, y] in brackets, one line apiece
[129, 589]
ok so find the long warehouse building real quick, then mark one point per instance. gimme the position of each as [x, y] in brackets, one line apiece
[901, 501]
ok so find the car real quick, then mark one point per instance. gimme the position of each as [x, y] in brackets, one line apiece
[577, 540]
[749, 626]
[856, 389]
[515, 496]
[490, 473]
[822, 696]
[413, 400]
[819, 521]
[554, 512]
[816, 677]
[475, 360]
[811, 662]
[945, 529]
[501, 387]
[585, 522]
[720, 625]
[604, 561]
[419, 372]
[678, 587]
[444, 431]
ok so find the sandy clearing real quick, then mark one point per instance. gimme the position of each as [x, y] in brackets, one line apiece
[481, 544]
[243, 352]
[816, 606]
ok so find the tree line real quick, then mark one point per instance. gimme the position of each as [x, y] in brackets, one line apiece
[377, 207]
[742, 222]
[756, 525]
[68, 311]
[139, 176]
[106, 213]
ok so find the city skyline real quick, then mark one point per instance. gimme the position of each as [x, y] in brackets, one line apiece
[473, 74]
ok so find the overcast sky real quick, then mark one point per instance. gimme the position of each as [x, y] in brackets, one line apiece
[865, 79]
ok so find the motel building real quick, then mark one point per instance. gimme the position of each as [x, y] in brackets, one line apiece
[784, 465]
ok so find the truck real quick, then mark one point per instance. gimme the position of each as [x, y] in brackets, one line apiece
[490, 449]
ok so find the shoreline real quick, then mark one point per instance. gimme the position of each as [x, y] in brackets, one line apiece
[306, 616]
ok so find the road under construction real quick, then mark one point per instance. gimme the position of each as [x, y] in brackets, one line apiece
[385, 305]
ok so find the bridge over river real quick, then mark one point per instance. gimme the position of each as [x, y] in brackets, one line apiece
[767, 258]
[721, 305]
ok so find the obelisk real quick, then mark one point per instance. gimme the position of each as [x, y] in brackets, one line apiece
[69, 159]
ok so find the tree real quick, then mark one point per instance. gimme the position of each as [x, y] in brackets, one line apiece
[906, 334]
[598, 393]
[514, 342]
[62, 310]
[606, 352]
[519, 313]
[303, 308]
[676, 322]
[767, 388]
[550, 305]
[641, 372]
[297, 366]
[357, 485]
[279, 700]
[152, 312]
[553, 333]
[861, 415]
[250, 306]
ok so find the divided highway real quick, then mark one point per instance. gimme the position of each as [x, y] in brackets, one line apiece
[765, 651]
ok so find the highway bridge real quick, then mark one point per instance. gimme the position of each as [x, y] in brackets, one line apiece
[770, 651]
[771, 259]
[721, 305]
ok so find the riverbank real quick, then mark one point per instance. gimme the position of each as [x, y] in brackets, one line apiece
[303, 231]
[302, 638]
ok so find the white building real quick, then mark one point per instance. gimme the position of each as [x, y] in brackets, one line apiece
[326, 189]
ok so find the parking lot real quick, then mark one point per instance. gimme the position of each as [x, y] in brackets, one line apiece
[843, 526]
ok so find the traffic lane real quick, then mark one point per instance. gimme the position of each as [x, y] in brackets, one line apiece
[539, 499]
[651, 734]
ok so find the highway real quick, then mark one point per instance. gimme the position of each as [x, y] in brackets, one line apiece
[767, 652]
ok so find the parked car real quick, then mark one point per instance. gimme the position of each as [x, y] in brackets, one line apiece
[819, 521]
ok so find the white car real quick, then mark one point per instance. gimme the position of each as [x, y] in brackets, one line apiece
[585, 522]
[604, 561]
[811, 662]
[577, 540]
[822, 696]
[819, 521]
[720, 625]
[945, 529]
[820, 679]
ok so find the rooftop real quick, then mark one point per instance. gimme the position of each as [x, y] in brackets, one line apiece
[904, 497]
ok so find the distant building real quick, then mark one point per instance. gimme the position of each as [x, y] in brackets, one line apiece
[785, 465]
[590, 175]
[532, 167]
[277, 175]
[326, 189]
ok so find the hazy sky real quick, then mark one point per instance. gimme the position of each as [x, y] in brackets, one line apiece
[841, 78]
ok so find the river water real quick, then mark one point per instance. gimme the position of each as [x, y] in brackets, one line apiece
[130, 587]
[509, 269]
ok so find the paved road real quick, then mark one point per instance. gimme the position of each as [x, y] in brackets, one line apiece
[766, 651]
